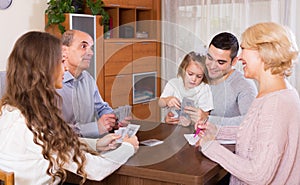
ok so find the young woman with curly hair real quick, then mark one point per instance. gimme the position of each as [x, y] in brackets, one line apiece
[32, 131]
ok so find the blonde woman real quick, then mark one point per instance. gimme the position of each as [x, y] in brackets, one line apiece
[268, 140]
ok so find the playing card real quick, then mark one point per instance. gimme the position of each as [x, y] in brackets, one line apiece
[151, 142]
[122, 112]
[191, 139]
[176, 112]
[131, 129]
[121, 131]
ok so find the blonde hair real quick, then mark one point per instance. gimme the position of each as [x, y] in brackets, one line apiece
[274, 44]
[196, 57]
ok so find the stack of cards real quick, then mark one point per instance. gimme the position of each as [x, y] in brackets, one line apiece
[151, 142]
[122, 112]
[130, 130]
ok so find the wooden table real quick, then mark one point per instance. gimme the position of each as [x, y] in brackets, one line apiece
[170, 163]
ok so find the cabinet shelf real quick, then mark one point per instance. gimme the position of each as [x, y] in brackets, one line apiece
[131, 19]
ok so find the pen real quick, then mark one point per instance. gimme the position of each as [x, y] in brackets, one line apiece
[198, 129]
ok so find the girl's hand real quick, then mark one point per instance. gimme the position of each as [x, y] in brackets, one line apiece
[170, 119]
[172, 101]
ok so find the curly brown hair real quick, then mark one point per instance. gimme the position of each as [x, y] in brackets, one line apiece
[30, 87]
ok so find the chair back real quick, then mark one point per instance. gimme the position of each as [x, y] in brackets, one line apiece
[7, 177]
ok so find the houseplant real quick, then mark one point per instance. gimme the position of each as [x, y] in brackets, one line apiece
[96, 8]
[57, 8]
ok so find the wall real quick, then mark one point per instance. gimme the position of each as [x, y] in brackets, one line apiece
[20, 17]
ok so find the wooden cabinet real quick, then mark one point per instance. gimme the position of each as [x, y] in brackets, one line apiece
[146, 111]
[118, 90]
[144, 57]
[132, 57]
[131, 76]
[131, 19]
[118, 58]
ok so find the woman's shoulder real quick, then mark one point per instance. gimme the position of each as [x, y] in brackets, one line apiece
[10, 109]
[280, 98]
[10, 114]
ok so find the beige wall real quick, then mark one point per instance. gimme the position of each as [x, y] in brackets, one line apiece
[20, 17]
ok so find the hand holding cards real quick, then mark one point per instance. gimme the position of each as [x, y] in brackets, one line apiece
[186, 102]
[122, 112]
[130, 130]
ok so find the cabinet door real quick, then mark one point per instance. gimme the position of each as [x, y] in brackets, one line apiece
[146, 111]
[118, 57]
[144, 57]
[118, 90]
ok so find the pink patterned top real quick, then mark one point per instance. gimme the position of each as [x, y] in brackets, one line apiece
[267, 142]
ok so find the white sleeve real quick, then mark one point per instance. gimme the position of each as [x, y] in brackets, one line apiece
[168, 90]
[90, 142]
[99, 167]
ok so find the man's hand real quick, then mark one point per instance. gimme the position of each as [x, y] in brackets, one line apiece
[184, 121]
[106, 123]
[125, 121]
[108, 142]
[196, 114]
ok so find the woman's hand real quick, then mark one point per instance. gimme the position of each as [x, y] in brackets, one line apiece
[207, 132]
[132, 140]
[108, 142]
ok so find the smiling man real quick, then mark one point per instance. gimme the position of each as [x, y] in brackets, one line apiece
[232, 92]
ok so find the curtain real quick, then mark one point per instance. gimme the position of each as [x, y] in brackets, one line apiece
[189, 25]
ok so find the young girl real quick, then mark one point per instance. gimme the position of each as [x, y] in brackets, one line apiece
[190, 83]
[36, 143]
